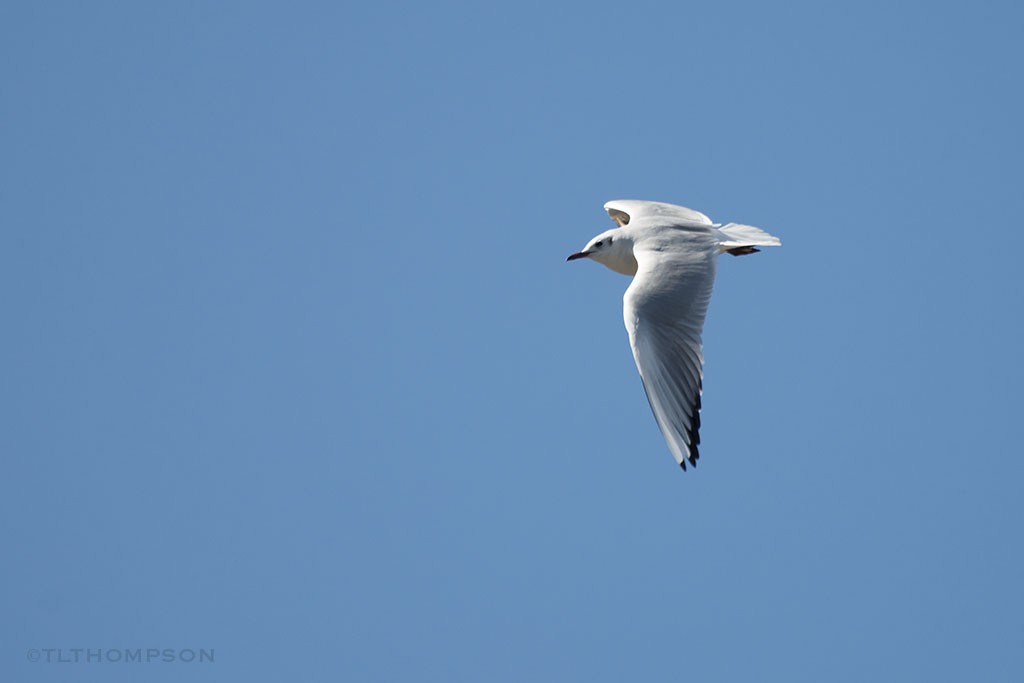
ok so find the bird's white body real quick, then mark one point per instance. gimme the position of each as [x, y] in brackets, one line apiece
[672, 253]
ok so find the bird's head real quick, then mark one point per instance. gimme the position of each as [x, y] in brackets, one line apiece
[613, 248]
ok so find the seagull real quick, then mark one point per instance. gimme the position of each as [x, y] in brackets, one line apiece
[671, 253]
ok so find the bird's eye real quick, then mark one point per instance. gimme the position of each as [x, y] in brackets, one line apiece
[598, 244]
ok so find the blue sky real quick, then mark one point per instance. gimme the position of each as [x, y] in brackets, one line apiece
[295, 370]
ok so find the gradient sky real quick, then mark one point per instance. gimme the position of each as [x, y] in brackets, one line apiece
[294, 368]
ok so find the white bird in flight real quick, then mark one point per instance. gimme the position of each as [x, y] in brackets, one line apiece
[671, 252]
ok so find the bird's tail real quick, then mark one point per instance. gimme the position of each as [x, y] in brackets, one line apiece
[741, 239]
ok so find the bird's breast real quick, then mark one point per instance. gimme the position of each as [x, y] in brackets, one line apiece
[624, 263]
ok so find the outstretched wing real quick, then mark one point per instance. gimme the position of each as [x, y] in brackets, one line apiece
[664, 310]
[623, 211]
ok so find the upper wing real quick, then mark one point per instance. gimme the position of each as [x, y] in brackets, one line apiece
[664, 310]
[623, 211]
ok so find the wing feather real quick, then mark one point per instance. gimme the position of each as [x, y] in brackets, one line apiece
[625, 211]
[664, 310]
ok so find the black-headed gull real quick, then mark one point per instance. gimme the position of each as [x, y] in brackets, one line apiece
[671, 252]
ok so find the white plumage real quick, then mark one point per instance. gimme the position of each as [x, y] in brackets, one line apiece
[671, 252]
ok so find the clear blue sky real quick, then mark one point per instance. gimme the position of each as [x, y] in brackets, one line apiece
[294, 368]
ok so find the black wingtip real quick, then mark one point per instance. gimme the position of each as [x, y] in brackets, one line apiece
[694, 432]
[693, 457]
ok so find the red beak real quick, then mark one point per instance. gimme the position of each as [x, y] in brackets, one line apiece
[578, 254]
